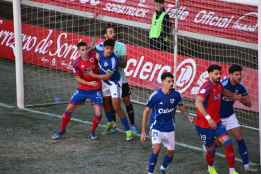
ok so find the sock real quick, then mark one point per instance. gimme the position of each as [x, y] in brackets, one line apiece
[113, 115]
[242, 149]
[65, 121]
[130, 112]
[96, 119]
[109, 116]
[231, 170]
[230, 155]
[210, 155]
[125, 123]
[167, 160]
[152, 162]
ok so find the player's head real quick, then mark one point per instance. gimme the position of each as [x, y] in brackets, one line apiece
[108, 47]
[159, 5]
[82, 48]
[235, 73]
[214, 72]
[167, 80]
[109, 32]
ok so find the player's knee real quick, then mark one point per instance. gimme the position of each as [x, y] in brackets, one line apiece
[156, 149]
[170, 153]
[211, 149]
[224, 139]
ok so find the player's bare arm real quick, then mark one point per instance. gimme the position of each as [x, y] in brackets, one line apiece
[123, 61]
[106, 76]
[232, 95]
[144, 123]
[82, 81]
[245, 100]
[199, 105]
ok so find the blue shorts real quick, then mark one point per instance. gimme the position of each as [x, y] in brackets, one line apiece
[208, 135]
[80, 96]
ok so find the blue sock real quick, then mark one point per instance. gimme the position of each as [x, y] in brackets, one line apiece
[167, 160]
[109, 116]
[243, 151]
[125, 123]
[152, 162]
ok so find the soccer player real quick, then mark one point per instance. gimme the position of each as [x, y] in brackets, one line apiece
[208, 122]
[162, 104]
[228, 116]
[120, 51]
[88, 88]
[111, 81]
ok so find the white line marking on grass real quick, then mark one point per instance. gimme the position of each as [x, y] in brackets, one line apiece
[199, 149]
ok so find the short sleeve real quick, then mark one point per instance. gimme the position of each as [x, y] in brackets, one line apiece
[204, 90]
[120, 49]
[152, 100]
[180, 99]
[99, 48]
[243, 91]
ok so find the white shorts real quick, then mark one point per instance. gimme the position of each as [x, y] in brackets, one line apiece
[112, 90]
[165, 138]
[230, 122]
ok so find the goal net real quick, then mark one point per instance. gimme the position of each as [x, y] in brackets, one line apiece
[198, 33]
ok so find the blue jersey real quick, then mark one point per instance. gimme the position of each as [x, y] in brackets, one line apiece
[227, 108]
[109, 65]
[163, 108]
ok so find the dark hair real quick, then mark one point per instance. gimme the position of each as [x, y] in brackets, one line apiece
[159, 1]
[109, 42]
[214, 67]
[107, 27]
[166, 75]
[81, 44]
[233, 68]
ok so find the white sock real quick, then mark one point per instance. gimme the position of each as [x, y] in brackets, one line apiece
[231, 170]
[162, 168]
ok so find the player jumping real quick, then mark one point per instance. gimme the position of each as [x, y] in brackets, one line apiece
[208, 122]
[228, 116]
[120, 51]
[111, 81]
[88, 88]
[163, 104]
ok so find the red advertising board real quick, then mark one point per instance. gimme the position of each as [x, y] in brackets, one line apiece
[211, 17]
[56, 49]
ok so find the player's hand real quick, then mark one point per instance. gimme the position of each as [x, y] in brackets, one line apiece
[237, 97]
[143, 137]
[191, 118]
[212, 123]
[92, 83]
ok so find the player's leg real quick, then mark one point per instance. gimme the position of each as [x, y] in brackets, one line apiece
[169, 143]
[116, 103]
[76, 99]
[207, 137]
[129, 107]
[156, 147]
[233, 127]
[108, 108]
[97, 101]
[224, 138]
[110, 114]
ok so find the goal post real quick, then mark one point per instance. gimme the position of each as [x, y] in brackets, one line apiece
[18, 54]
